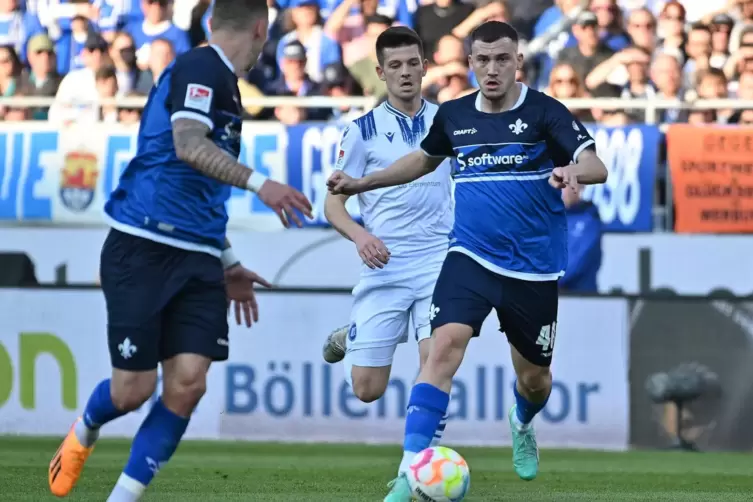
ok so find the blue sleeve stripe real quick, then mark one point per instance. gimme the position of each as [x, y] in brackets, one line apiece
[183, 114]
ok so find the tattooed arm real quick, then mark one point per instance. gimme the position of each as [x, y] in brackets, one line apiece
[194, 147]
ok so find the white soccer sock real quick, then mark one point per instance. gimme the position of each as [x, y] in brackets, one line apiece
[439, 432]
[408, 457]
[126, 489]
[86, 436]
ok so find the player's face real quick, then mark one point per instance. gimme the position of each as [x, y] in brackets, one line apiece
[495, 64]
[403, 70]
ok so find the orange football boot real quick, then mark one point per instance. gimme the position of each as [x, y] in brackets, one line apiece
[67, 464]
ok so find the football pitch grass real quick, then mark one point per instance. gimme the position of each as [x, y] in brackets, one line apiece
[222, 471]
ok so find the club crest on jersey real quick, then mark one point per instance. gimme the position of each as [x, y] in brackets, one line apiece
[389, 135]
[198, 97]
[78, 180]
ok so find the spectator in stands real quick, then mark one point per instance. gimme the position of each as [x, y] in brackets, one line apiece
[610, 116]
[487, 10]
[123, 55]
[712, 84]
[69, 47]
[745, 23]
[641, 26]
[156, 24]
[672, 28]
[363, 69]
[433, 21]
[548, 21]
[161, 55]
[745, 92]
[565, 83]
[584, 233]
[449, 59]
[294, 81]
[611, 26]
[457, 85]
[721, 27]
[17, 27]
[106, 80]
[348, 26]
[130, 115]
[741, 58]
[74, 97]
[589, 51]
[666, 74]
[303, 24]
[337, 83]
[698, 50]
[42, 79]
[10, 71]
[17, 113]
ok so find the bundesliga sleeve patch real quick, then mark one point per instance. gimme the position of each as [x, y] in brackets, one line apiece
[340, 159]
[198, 97]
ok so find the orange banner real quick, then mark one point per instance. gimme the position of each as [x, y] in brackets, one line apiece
[712, 178]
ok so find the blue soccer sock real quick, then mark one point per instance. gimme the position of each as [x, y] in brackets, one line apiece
[99, 410]
[154, 444]
[427, 407]
[525, 409]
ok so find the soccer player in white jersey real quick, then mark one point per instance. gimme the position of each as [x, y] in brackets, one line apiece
[405, 237]
[516, 149]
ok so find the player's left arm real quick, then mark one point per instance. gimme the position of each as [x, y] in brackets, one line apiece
[572, 138]
[239, 284]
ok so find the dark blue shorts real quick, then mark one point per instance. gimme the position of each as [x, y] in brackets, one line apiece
[161, 301]
[466, 293]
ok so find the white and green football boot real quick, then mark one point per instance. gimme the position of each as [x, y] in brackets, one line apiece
[525, 451]
[399, 490]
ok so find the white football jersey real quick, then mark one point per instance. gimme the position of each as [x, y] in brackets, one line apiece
[413, 220]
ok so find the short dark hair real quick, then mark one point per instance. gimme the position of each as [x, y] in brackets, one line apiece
[236, 14]
[397, 36]
[105, 73]
[491, 31]
[700, 27]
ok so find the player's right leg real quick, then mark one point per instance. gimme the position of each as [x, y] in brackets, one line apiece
[133, 304]
[462, 300]
[380, 322]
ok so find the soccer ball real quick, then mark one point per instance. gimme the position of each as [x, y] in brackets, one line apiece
[439, 475]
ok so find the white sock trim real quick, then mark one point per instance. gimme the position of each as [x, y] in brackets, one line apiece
[130, 484]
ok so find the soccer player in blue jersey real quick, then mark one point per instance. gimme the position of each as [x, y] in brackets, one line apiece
[515, 150]
[166, 268]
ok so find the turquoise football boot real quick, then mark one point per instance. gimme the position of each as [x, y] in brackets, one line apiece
[399, 490]
[525, 451]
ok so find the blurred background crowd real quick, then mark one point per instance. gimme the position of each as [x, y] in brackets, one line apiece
[73, 50]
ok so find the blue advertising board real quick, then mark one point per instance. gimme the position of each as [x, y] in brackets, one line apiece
[64, 176]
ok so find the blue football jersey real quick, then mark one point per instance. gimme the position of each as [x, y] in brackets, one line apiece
[507, 216]
[161, 198]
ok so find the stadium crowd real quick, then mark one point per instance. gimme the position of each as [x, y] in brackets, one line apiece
[74, 50]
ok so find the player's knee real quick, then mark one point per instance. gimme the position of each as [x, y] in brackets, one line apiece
[130, 389]
[448, 346]
[535, 379]
[182, 394]
[369, 384]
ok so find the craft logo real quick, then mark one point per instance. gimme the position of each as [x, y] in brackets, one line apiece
[79, 180]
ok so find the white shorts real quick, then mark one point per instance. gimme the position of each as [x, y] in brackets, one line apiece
[385, 315]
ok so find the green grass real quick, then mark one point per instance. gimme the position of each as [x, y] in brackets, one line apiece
[220, 471]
